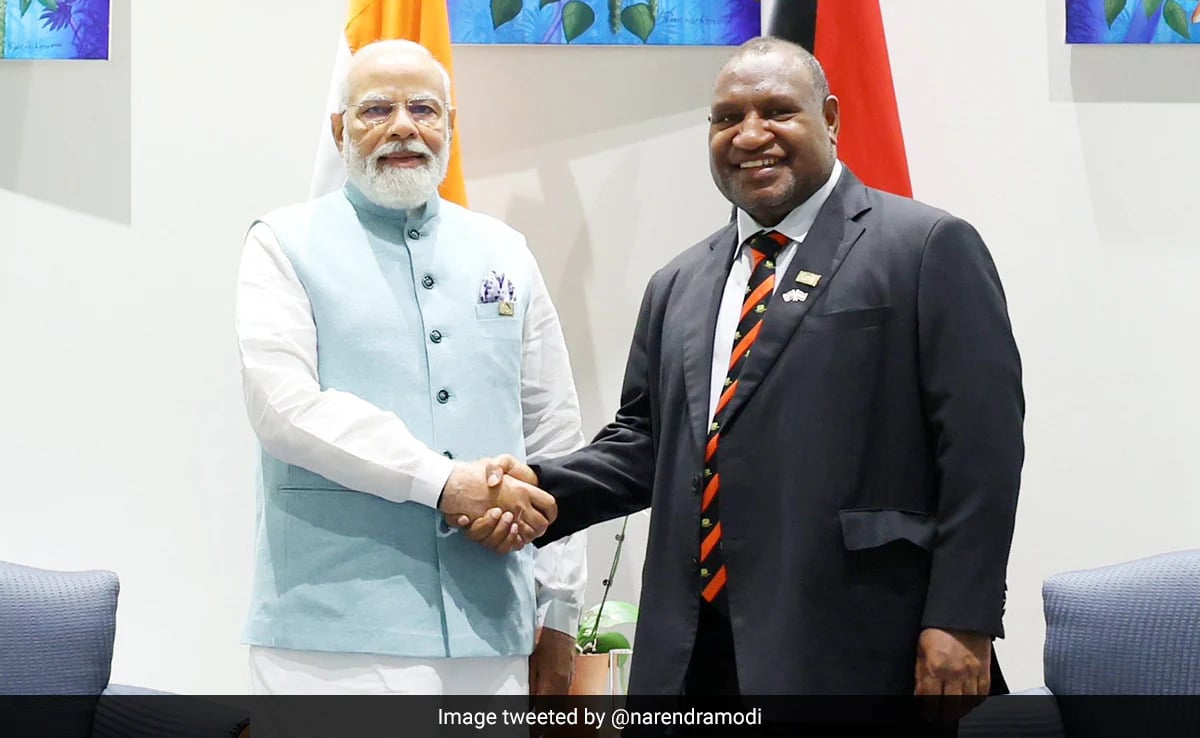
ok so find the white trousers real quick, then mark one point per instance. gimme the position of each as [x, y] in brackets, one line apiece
[275, 671]
[281, 671]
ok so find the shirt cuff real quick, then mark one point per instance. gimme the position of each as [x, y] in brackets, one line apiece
[558, 615]
[430, 479]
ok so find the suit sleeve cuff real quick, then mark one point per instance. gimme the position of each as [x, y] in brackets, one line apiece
[430, 479]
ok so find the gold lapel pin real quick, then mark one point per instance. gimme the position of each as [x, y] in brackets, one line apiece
[808, 279]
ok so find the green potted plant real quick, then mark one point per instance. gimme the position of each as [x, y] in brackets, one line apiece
[598, 644]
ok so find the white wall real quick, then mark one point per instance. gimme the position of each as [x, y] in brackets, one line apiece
[125, 188]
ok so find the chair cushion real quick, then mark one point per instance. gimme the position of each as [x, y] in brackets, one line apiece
[56, 630]
[1131, 628]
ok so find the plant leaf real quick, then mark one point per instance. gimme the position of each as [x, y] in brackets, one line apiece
[1151, 6]
[49, 4]
[547, 2]
[606, 642]
[25, 6]
[639, 20]
[577, 18]
[615, 613]
[1113, 8]
[1177, 19]
[503, 11]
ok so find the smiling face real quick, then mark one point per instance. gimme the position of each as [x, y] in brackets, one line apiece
[772, 141]
[394, 135]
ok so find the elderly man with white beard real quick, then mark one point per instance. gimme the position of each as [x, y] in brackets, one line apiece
[386, 336]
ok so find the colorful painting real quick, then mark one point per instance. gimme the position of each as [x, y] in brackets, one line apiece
[1133, 21]
[637, 22]
[54, 29]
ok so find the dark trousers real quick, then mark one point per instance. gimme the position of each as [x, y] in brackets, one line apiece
[712, 681]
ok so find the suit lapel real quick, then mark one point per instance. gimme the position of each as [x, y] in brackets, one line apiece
[702, 299]
[830, 239]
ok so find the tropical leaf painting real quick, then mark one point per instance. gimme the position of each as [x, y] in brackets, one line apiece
[1133, 21]
[54, 29]
[619, 22]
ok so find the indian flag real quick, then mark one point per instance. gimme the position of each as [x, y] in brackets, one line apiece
[847, 37]
[424, 21]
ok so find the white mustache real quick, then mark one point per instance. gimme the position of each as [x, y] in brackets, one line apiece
[401, 147]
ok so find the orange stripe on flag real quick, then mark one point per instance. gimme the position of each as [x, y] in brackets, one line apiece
[428, 23]
[714, 587]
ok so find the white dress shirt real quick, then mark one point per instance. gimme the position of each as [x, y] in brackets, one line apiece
[354, 443]
[795, 226]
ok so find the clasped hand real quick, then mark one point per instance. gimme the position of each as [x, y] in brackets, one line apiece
[497, 503]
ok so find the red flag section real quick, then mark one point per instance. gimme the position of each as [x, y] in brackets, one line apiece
[849, 41]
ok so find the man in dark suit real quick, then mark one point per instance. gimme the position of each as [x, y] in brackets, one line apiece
[823, 409]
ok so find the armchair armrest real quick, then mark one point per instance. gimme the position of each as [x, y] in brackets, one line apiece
[135, 712]
[1030, 714]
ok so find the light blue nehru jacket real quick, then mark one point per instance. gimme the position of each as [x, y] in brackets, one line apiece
[399, 323]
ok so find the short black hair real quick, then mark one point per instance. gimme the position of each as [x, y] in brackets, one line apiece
[769, 44]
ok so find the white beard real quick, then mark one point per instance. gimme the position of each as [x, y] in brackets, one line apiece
[397, 188]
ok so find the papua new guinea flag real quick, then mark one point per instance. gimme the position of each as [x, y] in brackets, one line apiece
[847, 37]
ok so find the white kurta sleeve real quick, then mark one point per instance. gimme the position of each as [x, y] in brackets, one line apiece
[552, 428]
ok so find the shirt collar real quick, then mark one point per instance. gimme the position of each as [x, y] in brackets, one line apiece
[797, 223]
[415, 217]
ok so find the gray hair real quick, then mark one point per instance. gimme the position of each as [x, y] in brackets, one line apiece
[398, 44]
[769, 44]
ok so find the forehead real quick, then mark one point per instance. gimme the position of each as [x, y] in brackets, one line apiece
[396, 75]
[757, 76]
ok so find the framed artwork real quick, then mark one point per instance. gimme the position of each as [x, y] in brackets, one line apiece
[605, 22]
[1133, 21]
[54, 29]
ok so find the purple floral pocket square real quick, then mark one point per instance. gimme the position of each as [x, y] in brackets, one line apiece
[496, 288]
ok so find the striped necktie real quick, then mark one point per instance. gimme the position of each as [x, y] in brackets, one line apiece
[764, 247]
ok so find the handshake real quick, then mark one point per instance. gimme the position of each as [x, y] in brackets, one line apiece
[497, 503]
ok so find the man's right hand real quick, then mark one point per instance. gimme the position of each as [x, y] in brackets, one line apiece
[474, 490]
[495, 529]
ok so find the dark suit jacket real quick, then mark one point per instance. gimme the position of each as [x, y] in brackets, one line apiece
[869, 473]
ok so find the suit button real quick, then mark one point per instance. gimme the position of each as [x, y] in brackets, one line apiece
[427, 282]
[695, 561]
[443, 396]
[448, 455]
[435, 336]
[414, 234]
[696, 481]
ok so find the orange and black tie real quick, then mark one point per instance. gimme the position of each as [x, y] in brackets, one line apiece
[764, 248]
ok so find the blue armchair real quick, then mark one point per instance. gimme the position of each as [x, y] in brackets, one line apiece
[1122, 648]
[56, 645]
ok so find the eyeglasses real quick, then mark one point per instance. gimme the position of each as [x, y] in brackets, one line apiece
[425, 111]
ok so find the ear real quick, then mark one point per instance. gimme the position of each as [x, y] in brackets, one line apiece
[450, 122]
[337, 124]
[833, 119]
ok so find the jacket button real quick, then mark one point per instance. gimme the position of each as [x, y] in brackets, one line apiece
[427, 282]
[696, 480]
[414, 234]
[443, 396]
[435, 336]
